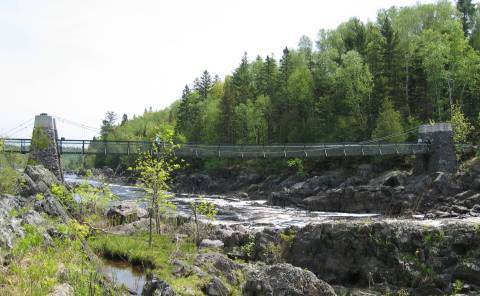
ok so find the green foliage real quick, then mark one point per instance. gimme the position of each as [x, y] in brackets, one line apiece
[85, 201]
[39, 196]
[389, 123]
[213, 165]
[33, 238]
[154, 171]
[297, 164]
[249, 248]
[19, 212]
[362, 80]
[202, 208]
[11, 181]
[93, 200]
[77, 230]
[433, 238]
[462, 128]
[288, 236]
[457, 287]
[136, 250]
[38, 266]
[65, 197]
[403, 292]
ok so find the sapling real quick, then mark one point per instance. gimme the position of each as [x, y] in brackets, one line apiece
[204, 208]
[154, 170]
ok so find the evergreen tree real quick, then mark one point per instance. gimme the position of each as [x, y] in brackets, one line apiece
[227, 110]
[183, 112]
[108, 124]
[242, 81]
[391, 59]
[124, 119]
[203, 85]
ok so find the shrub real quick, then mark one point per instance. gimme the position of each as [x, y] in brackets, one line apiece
[296, 163]
[462, 128]
[204, 208]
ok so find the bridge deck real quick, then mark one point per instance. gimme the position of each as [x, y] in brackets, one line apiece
[89, 147]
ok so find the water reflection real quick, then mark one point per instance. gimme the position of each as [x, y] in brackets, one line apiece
[124, 273]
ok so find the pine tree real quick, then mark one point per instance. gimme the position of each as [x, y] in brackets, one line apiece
[108, 124]
[203, 85]
[124, 119]
[242, 81]
[269, 77]
[227, 111]
[391, 60]
[183, 111]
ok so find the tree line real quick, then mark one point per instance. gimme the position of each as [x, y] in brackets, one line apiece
[411, 65]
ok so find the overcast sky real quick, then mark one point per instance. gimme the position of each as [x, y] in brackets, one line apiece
[78, 59]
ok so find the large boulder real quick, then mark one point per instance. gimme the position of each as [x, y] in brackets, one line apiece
[157, 287]
[284, 280]
[211, 244]
[391, 178]
[216, 288]
[126, 212]
[407, 253]
[38, 179]
[10, 225]
[219, 265]
[51, 206]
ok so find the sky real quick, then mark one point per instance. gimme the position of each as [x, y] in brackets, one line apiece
[78, 59]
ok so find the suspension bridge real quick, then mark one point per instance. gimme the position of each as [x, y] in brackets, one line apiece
[98, 147]
[435, 146]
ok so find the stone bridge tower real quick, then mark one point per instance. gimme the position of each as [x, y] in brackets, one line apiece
[44, 149]
[442, 155]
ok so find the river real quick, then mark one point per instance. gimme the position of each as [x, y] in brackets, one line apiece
[232, 210]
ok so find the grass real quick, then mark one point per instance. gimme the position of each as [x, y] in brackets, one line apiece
[157, 259]
[40, 265]
[134, 249]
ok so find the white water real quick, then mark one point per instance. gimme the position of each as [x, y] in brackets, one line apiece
[249, 213]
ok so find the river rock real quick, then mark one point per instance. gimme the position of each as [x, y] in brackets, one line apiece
[216, 288]
[50, 205]
[33, 218]
[131, 228]
[231, 236]
[62, 290]
[126, 212]
[391, 178]
[212, 244]
[406, 253]
[157, 287]
[284, 280]
[10, 227]
[219, 265]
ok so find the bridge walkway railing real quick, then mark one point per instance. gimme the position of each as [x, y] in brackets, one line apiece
[315, 150]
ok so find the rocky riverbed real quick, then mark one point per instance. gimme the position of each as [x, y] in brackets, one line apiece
[431, 247]
[361, 189]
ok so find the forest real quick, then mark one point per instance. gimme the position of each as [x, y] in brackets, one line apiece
[412, 65]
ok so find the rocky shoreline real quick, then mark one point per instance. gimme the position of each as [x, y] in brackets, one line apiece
[436, 253]
[364, 189]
